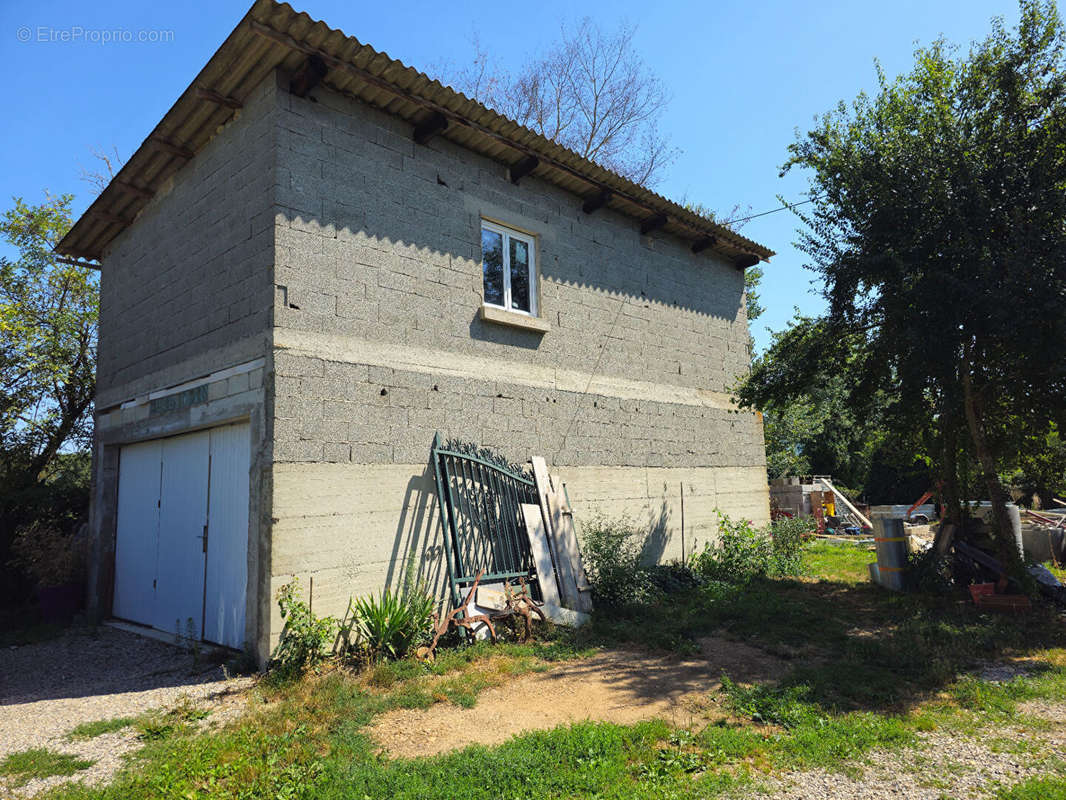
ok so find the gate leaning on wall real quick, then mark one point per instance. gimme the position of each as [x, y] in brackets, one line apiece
[481, 516]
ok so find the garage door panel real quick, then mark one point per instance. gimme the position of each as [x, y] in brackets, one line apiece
[227, 544]
[136, 537]
[182, 516]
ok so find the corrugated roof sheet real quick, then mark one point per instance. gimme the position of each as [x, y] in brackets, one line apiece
[274, 35]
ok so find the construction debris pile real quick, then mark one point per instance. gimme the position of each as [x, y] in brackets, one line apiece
[896, 532]
[510, 542]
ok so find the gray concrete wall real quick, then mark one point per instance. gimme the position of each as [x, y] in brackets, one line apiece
[186, 294]
[187, 288]
[378, 344]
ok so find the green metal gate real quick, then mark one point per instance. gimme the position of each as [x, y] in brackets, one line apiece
[480, 503]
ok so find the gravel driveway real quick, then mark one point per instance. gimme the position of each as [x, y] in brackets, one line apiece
[47, 688]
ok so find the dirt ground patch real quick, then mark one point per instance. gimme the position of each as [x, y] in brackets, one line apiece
[621, 686]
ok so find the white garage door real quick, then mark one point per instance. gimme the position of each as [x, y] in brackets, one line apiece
[181, 549]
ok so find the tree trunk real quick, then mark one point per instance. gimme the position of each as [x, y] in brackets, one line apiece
[950, 494]
[1006, 546]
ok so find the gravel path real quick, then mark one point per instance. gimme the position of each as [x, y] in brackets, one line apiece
[48, 688]
[943, 765]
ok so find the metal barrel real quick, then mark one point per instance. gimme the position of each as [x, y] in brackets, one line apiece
[890, 539]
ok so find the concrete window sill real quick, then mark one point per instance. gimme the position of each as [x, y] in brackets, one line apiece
[514, 319]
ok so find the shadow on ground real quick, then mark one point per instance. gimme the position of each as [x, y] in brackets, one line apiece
[854, 646]
[83, 663]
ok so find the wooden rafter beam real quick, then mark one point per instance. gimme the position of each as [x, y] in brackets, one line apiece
[140, 191]
[107, 216]
[435, 123]
[453, 118]
[219, 99]
[523, 167]
[74, 262]
[652, 223]
[746, 260]
[169, 147]
[308, 76]
[702, 244]
[597, 201]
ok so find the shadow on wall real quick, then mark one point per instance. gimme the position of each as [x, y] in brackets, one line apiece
[417, 561]
[658, 536]
[416, 218]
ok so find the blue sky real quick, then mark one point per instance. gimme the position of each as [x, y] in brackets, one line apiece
[743, 76]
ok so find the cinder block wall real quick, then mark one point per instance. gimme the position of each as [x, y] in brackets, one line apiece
[186, 292]
[186, 288]
[378, 344]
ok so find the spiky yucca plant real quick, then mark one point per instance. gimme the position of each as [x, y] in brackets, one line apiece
[389, 625]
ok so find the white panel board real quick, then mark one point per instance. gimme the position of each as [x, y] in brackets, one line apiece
[574, 587]
[137, 533]
[538, 543]
[227, 540]
[182, 516]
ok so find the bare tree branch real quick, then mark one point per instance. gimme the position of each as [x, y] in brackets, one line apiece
[110, 163]
[590, 92]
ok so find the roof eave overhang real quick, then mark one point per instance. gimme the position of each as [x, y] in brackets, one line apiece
[273, 36]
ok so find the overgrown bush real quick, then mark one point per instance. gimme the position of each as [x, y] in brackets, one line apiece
[787, 536]
[611, 550]
[744, 552]
[930, 572]
[741, 553]
[306, 639]
[48, 556]
[675, 576]
[59, 502]
[390, 625]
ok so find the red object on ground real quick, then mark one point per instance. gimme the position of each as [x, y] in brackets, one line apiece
[977, 590]
[1004, 602]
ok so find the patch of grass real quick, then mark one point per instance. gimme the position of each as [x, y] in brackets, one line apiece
[28, 765]
[1036, 789]
[846, 562]
[998, 699]
[870, 669]
[152, 728]
[90, 730]
[814, 737]
[585, 760]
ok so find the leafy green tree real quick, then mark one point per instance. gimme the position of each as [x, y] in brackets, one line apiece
[752, 277]
[48, 314]
[48, 317]
[1041, 468]
[814, 430]
[938, 225]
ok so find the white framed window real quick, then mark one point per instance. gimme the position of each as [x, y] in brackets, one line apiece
[509, 268]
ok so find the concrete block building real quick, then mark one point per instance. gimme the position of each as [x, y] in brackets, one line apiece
[318, 259]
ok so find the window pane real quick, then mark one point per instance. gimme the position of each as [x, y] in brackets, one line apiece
[520, 275]
[492, 266]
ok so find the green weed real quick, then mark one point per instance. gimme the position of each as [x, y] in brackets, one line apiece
[28, 765]
[90, 730]
[1036, 789]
